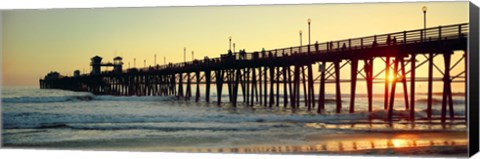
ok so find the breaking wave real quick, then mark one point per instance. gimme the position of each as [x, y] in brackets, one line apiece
[49, 99]
[82, 98]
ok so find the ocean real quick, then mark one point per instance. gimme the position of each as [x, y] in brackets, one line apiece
[59, 119]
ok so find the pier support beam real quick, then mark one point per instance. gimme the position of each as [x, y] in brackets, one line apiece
[230, 73]
[338, 93]
[272, 80]
[311, 90]
[208, 80]
[369, 79]
[260, 76]
[353, 84]
[305, 94]
[189, 87]
[277, 81]
[430, 85]
[254, 87]
[180, 85]
[197, 93]
[387, 76]
[285, 80]
[219, 82]
[296, 87]
[248, 85]
[290, 87]
[392, 94]
[238, 74]
[413, 60]
[447, 91]
[404, 83]
[321, 92]
[265, 84]
[243, 83]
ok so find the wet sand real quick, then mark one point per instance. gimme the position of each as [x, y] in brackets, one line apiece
[452, 143]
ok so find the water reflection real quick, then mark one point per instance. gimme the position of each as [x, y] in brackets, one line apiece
[338, 146]
[380, 125]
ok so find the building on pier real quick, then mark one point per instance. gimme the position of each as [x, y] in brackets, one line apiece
[52, 75]
[76, 73]
[97, 64]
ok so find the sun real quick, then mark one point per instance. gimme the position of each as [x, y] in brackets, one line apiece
[391, 78]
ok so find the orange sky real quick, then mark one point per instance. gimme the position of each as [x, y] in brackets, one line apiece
[38, 41]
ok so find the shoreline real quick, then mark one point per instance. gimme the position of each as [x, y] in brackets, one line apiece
[401, 144]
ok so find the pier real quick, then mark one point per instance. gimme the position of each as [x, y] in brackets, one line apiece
[258, 75]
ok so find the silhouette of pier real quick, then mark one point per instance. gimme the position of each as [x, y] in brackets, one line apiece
[258, 75]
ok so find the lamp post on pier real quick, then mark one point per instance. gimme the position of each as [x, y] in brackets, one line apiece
[309, 22]
[300, 47]
[424, 9]
[230, 43]
[184, 54]
[300, 33]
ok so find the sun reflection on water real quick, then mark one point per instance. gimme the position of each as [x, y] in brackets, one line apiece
[339, 146]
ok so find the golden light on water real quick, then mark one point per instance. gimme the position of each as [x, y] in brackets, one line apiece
[380, 143]
[339, 145]
[397, 143]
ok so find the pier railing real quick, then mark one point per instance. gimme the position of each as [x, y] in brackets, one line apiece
[454, 31]
[447, 32]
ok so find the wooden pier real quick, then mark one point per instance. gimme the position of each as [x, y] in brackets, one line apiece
[258, 75]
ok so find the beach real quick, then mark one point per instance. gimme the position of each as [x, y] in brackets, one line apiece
[55, 119]
[418, 144]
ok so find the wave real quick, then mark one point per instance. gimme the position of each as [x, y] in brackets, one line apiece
[78, 98]
[143, 126]
[134, 98]
[441, 93]
[48, 99]
[439, 101]
[166, 128]
[28, 120]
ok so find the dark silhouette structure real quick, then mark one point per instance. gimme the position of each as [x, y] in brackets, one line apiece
[97, 64]
[259, 74]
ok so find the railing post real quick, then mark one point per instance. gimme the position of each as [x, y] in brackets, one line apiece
[404, 37]
[440, 32]
[308, 48]
[421, 36]
[349, 44]
[361, 43]
[460, 31]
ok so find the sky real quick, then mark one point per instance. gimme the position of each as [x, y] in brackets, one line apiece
[36, 42]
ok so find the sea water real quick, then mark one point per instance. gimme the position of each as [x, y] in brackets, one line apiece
[33, 117]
